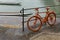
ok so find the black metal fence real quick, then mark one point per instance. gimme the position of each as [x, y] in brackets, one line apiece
[22, 11]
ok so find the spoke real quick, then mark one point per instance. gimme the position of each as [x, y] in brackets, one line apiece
[51, 19]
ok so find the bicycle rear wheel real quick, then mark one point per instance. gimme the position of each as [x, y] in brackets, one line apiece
[51, 18]
[34, 23]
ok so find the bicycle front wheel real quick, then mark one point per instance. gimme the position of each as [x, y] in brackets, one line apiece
[34, 23]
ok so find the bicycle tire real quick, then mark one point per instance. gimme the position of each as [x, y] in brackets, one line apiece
[50, 20]
[39, 27]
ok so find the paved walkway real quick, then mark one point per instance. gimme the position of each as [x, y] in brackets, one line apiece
[7, 33]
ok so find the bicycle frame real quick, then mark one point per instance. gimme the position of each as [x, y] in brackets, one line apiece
[44, 20]
[48, 18]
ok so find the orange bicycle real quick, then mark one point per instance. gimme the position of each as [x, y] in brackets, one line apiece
[34, 23]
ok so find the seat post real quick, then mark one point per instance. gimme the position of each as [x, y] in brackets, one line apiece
[47, 9]
[36, 9]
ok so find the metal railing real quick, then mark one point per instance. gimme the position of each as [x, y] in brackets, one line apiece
[42, 7]
[22, 11]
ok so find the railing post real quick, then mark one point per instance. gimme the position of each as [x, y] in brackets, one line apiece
[22, 11]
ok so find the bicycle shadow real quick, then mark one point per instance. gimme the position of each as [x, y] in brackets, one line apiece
[55, 28]
[27, 36]
[46, 29]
